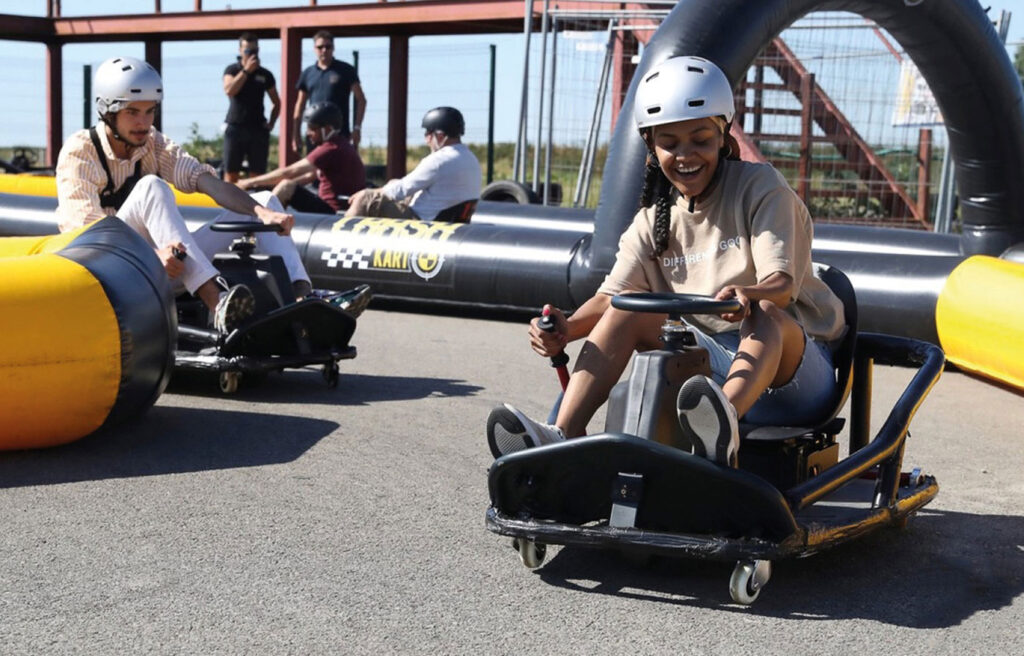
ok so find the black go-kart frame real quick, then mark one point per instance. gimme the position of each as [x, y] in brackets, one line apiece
[283, 334]
[637, 488]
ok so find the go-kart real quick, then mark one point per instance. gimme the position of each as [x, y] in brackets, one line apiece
[282, 334]
[638, 488]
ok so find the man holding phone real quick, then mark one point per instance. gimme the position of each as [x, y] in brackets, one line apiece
[247, 132]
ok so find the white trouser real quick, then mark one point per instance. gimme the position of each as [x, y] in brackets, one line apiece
[151, 211]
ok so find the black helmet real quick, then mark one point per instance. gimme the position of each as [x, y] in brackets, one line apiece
[446, 119]
[325, 114]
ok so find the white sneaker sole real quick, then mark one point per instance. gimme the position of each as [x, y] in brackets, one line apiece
[705, 420]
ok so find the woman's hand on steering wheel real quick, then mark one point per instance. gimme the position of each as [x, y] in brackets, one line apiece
[735, 292]
[550, 343]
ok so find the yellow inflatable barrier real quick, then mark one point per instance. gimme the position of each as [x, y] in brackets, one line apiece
[980, 319]
[88, 326]
[42, 185]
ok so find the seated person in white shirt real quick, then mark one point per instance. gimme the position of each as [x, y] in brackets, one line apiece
[449, 175]
[123, 166]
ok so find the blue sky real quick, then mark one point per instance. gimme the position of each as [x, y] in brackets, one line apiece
[192, 72]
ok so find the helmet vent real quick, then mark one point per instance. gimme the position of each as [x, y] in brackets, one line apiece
[126, 67]
[652, 76]
[651, 111]
[696, 103]
[135, 90]
[694, 69]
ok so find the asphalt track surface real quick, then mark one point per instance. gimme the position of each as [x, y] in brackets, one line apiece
[295, 519]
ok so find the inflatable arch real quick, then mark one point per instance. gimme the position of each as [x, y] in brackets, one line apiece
[88, 333]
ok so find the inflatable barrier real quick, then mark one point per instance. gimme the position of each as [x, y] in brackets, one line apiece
[46, 185]
[89, 328]
[980, 320]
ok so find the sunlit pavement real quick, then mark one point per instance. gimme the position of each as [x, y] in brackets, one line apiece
[292, 518]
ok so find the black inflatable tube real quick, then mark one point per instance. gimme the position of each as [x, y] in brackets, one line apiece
[897, 274]
[953, 44]
[495, 265]
[142, 300]
[896, 295]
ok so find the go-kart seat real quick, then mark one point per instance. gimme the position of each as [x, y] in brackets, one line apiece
[842, 359]
[458, 213]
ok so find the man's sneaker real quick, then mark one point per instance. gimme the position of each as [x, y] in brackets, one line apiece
[509, 430]
[353, 301]
[709, 420]
[234, 307]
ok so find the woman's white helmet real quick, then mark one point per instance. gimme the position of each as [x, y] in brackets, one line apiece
[122, 80]
[682, 89]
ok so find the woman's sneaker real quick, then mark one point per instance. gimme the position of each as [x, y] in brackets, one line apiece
[509, 430]
[709, 420]
[234, 307]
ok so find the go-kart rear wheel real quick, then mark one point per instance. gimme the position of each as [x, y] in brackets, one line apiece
[748, 577]
[330, 373]
[531, 553]
[229, 381]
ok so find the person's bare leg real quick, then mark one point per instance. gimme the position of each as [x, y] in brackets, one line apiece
[231, 176]
[209, 293]
[771, 347]
[601, 362]
[284, 191]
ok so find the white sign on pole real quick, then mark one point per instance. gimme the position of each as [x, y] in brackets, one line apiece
[915, 104]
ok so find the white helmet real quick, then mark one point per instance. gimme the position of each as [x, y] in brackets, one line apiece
[681, 89]
[122, 80]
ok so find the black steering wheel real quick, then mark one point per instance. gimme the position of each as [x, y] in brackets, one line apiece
[674, 304]
[244, 226]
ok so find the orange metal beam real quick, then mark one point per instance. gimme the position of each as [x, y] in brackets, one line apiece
[365, 19]
[25, 28]
[154, 56]
[54, 102]
[398, 104]
[291, 65]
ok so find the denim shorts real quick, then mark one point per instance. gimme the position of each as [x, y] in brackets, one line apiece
[805, 400]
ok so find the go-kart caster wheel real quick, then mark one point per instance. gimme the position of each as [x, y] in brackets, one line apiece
[229, 381]
[531, 553]
[748, 577]
[330, 373]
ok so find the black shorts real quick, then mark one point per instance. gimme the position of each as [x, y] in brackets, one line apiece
[246, 143]
[304, 200]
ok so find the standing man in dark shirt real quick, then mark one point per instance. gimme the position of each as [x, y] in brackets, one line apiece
[330, 80]
[247, 135]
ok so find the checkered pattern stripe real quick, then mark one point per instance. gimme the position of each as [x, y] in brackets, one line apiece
[347, 257]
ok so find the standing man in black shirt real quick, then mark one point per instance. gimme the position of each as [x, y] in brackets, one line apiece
[330, 80]
[247, 135]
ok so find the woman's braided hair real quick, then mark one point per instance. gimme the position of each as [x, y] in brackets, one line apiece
[657, 188]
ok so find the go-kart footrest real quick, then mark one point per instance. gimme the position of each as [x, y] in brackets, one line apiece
[626, 495]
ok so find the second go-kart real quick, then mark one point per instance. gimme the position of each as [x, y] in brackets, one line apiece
[282, 334]
[638, 487]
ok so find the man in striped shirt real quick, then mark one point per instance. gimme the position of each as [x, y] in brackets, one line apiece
[122, 167]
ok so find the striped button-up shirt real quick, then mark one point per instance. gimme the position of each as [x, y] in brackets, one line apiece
[81, 178]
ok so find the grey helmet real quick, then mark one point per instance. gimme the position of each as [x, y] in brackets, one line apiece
[681, 89]
[123, 80]
[446, 119]
[324, 115]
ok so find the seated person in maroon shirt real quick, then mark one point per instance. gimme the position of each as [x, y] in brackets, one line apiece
[334, 160]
